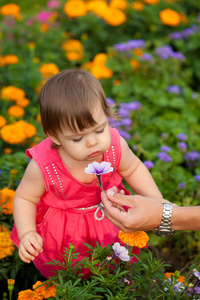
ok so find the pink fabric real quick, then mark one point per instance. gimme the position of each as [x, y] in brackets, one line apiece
[58, 222]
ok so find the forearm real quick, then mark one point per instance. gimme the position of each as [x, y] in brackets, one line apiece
[143, 183]
[185, 218]
[24, 213]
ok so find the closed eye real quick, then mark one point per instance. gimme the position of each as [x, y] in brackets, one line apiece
[77, 140]
[100, 131]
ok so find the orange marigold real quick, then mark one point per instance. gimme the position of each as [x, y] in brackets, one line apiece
[6, 200]
[12, 93]
[74, 9]
[48, 70]
[23, 102]
[134, 64]
[72, 45]
[2, 121]
[137, 5]
[151, 2]
[10, 59]
[72, 55]
[29, 295]
[17, 132]
[98, 7]
[114, 16]
[120, 4]
[41, 290]
[11, 9]
[180, 278]
[100, 59]
[6, 245]
[169, 17]
[136, 238]
[11, 281]
[16, 111]
[7, 150]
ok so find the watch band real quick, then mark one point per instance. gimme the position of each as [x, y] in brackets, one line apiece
[165, 230]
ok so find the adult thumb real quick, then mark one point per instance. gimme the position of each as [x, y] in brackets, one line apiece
[119, 198]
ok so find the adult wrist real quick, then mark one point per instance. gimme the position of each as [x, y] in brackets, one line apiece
[165, 229]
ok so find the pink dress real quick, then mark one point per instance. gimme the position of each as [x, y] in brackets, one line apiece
[61, 215]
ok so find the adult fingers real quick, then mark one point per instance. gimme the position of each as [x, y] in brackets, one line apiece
[125, 200]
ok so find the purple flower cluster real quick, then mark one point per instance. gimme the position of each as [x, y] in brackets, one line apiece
[183, 34]
[174, 89]
[149, 164]
[197, 177]
[164, 157]
[166, 52]
[110, 101]
[182, 137]
[147, 57]
[131, 44]
[181, 186]
[165, 148]
[192, 156]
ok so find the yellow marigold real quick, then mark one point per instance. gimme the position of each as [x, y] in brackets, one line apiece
[11, 9]
[6, 200]
[7, 150]
[10, 59]
[48, 70]
[106, 72]
[114, 16]
[169, 17]
[98, 7]
[17, 132]
[101, 71]
[6, 245]
[11, 281]
[50, 292]
[121, 4]
[72, 55]
[16, 111]
[137, 5]
[2, 121]
[74, 9]
[134, 64]
[29, 295]
[72, 45]
[136, 238]
[151, 2]
[96, 71]
[23, 102]
[100, 59]
[12, 93]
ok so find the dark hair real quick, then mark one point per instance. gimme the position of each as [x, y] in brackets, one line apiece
[68, 99]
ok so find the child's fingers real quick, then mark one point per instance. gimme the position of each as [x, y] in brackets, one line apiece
[25, 255]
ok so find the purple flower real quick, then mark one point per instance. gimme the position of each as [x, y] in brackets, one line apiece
[196, 273]
[181, 186]
[192, 156]
[164, 135]
[166, 52]
[164, 157]
[149, 164]
[120, 252]
[129, 45]
[197, 177]
[194, 96]
[181, 136]
[175, 89]
[147, 56]
[123, 112]
[135, 105]
[165, 148]
[182, 145]
[99, 169]
[110, 101]
[124, 134]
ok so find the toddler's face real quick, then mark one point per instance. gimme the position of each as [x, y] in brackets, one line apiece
[87, 145]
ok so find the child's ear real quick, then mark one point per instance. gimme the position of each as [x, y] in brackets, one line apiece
[55, 140]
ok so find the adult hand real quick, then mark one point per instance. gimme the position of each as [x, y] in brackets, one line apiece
[144, 213]
[30, 246]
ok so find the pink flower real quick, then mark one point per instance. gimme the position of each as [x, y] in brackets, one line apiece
[53, 4]
[43, 16]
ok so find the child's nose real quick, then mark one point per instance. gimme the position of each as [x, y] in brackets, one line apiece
[91, 141]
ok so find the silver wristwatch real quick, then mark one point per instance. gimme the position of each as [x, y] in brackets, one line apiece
[165, 230]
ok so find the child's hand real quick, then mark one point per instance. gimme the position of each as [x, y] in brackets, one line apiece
[30, 246]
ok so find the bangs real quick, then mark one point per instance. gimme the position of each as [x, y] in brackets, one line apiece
[68, 100]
